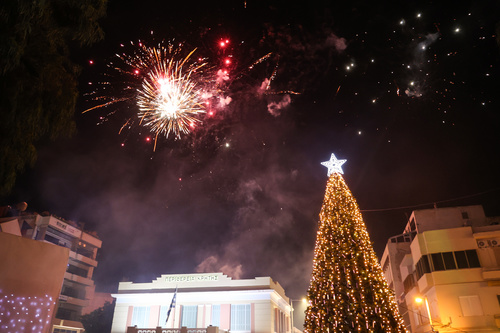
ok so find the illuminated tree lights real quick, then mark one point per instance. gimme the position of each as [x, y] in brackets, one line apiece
[19, 314]
[348, 291]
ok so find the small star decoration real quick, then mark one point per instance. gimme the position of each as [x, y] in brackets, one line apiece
[334, 165]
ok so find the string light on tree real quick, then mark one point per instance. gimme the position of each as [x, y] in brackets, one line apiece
[348, 291]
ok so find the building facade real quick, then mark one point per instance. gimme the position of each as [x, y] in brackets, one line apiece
[78, 287]
[445, 270]
[256, 305]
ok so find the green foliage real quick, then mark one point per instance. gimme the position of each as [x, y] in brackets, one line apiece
[38, 81]
[100, 320]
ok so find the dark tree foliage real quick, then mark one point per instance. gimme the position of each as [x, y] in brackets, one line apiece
[38, 81]
[100, 320]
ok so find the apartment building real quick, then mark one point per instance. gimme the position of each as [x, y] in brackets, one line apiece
[445, 270]
[78, 287]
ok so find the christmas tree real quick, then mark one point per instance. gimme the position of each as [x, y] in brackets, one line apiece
[348, 291]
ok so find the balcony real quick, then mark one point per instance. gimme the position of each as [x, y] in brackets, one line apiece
[78, 279]
[73, 300]
[491, 273]
[92, 240]
[210, 329]
[84, 259]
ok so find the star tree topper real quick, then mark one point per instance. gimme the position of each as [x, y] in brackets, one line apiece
[334, 165]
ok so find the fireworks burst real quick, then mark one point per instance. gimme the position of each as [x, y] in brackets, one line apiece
[169, 91]
[169, 100]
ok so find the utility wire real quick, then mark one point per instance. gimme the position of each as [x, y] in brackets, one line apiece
[430, 203]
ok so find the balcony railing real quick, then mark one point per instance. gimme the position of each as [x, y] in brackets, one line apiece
[210, 329]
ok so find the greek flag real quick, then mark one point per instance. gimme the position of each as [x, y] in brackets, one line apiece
[172, 305]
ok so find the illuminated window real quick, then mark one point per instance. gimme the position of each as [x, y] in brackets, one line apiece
[189, 315]
[140, 316]
[216, 315]
[471, 305]
[240, 317]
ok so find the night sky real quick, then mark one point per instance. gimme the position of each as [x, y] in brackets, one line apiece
[407, 93]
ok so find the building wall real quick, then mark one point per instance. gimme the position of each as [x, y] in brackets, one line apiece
[31, 277]
[77, 287]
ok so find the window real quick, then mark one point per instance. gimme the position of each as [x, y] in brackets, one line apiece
[189, 315]
[68, 314]
[77, 271]
[471, 305]
[215, 315]
[409, 283]
[437, 262]
[240, 317]
[140, 316]
[57, 237]
[423, 266]
[71, 292]
[472, 258]
[461, 259]
[465, 215]
[449, 260]
[162, 321]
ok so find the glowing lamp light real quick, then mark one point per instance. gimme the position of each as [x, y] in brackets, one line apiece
[419, 300]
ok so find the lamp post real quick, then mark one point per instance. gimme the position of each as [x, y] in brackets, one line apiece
[292, 309]
[419, 300]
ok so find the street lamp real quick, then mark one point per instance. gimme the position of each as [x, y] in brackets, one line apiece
[303, 300]
[419, 300]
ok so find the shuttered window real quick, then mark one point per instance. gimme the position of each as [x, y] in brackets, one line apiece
[240, 317]
[189, 315]
[216, 315]
[140, 316]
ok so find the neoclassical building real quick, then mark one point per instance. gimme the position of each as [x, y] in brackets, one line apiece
[256, 305]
